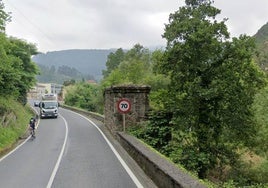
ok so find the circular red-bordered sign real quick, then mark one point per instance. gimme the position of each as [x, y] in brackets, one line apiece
[123, 105]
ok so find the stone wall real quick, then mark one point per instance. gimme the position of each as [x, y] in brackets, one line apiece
[138, 97]
[163, 172]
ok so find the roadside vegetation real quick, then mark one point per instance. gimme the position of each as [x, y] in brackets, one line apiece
[208, 97]
[14, 119]
[17, 76]
[84, 95]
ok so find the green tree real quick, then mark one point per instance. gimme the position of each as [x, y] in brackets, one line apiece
[9, 70]
[138, 52]
[4, 18]
[137, 67]
[113, 60]
[213, 83]
[8, 76]
[261, 108]
[134, 68]
[19, 53]
[83, 95]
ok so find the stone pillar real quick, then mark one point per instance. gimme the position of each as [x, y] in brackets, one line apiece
[138, 97]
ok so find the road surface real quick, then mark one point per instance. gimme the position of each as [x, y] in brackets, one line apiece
[70, 151]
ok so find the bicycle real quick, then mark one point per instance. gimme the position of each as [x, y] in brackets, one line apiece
[32, 127]
[32, 133]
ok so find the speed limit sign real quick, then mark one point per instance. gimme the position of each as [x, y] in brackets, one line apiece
[123, 106]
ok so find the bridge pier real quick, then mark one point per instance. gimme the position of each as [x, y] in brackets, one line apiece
[136, 95]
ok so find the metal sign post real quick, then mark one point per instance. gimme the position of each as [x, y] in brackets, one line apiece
[124, 122]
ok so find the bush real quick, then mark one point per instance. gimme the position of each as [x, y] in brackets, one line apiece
[14, 119]
[156, 132]
[85, 96]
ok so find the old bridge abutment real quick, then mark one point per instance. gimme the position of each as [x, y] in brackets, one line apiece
[139, 106]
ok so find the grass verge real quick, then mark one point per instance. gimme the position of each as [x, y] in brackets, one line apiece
[14, 119]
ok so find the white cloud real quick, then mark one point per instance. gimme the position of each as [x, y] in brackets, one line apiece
[69, 24]
[245, 16]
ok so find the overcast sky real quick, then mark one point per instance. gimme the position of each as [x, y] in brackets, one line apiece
[103, 24]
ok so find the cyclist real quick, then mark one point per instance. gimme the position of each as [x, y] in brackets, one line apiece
[32, 126]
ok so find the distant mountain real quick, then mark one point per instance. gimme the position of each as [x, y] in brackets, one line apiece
[88, 62]
[262, 35]
[261, 38]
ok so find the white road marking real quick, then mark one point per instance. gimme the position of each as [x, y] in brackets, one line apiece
[51, 179]
[16, 148]
[130, 173]
[8, 154]
[59, 158]
[123, 163]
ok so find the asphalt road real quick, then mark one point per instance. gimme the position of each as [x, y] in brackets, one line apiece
[70, 151]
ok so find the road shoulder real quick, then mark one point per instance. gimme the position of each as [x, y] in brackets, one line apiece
[140, 174]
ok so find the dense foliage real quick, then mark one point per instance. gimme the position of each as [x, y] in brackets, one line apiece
[260, 108]
[134, 66]
[113, 61]
[4, 18]
[157, 133]
[17, 76]
[14, 119]
[84, 95]
[213, 83]
[213, 88]
[17, 71]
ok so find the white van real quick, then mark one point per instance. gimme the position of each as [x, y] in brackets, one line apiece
[49, 106]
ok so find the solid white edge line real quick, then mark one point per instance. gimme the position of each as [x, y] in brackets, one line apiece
[5, 156]
[51, 179]
[123, 163]
[16, 148]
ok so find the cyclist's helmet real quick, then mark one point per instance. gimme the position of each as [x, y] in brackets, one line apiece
[32, 120]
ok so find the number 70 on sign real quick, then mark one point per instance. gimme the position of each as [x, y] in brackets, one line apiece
[123, 105]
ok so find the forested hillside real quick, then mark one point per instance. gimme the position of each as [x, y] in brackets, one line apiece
[262, 46]
[51, 74]
[262, 34]
[89, 63]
